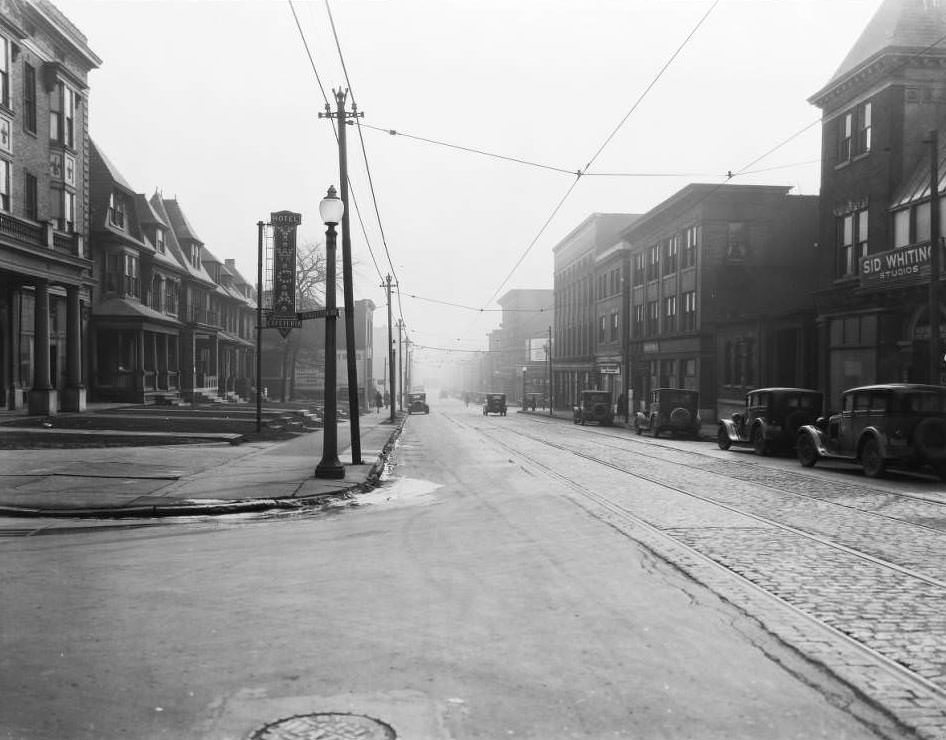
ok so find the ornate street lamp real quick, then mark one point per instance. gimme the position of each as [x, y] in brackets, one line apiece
[330, 209]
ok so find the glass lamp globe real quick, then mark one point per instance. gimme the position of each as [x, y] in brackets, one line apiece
[331, 207]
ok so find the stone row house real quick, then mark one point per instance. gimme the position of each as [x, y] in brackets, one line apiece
[104, 294]
[727, 288]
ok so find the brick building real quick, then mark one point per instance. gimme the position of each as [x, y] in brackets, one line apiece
[578, 269]
[878, 110]
[46, 277]
[720, 293]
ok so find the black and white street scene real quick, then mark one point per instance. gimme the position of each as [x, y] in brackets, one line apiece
[412, 370]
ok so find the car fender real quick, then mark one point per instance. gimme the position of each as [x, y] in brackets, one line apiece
[817, 437]
[871, 433]
[731, 430]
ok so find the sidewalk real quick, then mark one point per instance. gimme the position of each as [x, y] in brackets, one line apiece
[179, 480]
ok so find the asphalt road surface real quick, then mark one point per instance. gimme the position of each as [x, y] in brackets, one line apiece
[503, 583]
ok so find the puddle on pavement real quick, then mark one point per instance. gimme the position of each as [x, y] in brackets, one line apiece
[398, 491]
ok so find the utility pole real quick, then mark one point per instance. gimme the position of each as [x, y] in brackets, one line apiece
[347, 276]
[548, 357]
[935, 258]
[625, 339]
[259, 329]
[400, 366]
[387, 284]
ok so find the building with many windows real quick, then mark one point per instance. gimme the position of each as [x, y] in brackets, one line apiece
[583, 259]
[720, 293]
[46, 280]
[169, 320]
[878, 110]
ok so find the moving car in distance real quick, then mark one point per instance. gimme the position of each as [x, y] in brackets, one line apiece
[417, 403]
[770, 420]
[494, 403]
[897, 425]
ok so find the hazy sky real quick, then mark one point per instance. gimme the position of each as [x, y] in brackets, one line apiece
[216, 103]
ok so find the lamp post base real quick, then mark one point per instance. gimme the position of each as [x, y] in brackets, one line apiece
[332, 469]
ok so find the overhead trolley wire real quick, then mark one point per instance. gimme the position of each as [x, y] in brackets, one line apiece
[318, 79]
[579, 173]
[472, 150]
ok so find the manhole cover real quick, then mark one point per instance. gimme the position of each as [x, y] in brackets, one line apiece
[325, 726]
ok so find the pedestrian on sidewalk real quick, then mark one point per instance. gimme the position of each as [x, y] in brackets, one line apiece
[378, 401]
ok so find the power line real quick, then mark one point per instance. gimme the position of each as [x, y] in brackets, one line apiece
[364, 152]
[472, 150]
[600, 149]
[318, 79]
[651, 85]
[479, 310]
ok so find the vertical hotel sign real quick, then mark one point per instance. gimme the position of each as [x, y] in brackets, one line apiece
[283, 314]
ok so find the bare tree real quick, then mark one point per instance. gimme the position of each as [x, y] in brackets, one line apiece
[310, 277]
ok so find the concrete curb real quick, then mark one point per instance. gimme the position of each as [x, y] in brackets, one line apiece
[222, 507]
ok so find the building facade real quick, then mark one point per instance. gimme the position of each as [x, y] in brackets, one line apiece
[720, 293]
[169, 320]
[46, 280]
[581, 258]
[518, 358]
[878, 111]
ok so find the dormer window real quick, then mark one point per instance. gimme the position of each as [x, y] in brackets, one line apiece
[116, 210]
[159, 239]
[195, 255]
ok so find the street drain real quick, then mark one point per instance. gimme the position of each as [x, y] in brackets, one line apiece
[326, 726]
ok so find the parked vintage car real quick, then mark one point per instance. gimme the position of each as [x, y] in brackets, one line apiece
[673, 410]
[593, 406]
[417, 403]
[897, 425]
[771, 419]
[494, 403]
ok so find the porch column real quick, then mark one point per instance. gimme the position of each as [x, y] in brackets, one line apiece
[156, 360]
[140, 369]
[167, 361]
[12, 338]
[44, 399]
[73, 398]
[215, 360]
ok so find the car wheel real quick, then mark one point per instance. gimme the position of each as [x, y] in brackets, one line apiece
[872, 461]
[722, 439]
[807, 453]
[758, 442]
[637, 427]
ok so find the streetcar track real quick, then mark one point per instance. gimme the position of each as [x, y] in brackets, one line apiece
[854, 489]
[765, 520]
[616, 509]
[753, 476]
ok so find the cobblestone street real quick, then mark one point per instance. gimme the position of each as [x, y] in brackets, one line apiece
[863, 558]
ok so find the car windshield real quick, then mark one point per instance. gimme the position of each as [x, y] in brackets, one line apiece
[602, 397]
